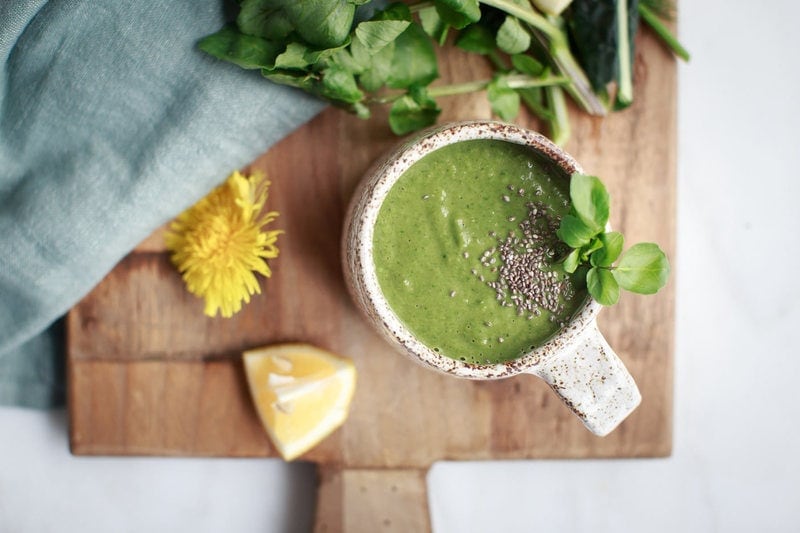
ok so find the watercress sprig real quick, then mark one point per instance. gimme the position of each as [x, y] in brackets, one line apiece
[642, 269]
[355, 55]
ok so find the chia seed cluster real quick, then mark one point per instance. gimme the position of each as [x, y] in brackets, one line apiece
[522, 262]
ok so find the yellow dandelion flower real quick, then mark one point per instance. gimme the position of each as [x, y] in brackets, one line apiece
[219, 244]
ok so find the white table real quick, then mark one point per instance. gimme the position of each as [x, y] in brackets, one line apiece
[736, 461]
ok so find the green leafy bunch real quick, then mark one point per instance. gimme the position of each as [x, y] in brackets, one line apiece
[356, 56]
[642, 269]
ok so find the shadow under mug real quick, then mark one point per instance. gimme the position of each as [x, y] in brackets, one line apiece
[577, 362]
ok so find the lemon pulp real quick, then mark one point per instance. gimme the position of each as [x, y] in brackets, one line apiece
[302, 393]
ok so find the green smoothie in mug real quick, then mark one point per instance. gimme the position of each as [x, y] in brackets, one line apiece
[466, 253]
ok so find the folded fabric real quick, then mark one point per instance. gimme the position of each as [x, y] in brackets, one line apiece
[111, 123]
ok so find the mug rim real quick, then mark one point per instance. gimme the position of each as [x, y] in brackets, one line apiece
[359, 231]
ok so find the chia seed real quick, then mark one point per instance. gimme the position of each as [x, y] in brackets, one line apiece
[524, 280]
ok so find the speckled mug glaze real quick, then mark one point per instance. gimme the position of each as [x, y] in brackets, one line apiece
[577, 362]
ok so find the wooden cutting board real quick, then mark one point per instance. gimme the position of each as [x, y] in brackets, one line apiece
[149, 374]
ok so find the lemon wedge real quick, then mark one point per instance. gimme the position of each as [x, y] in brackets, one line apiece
[302, 393]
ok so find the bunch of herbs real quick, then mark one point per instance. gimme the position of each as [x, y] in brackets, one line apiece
[642, 269]
[356, 54]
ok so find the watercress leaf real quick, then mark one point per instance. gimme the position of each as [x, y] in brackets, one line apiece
[589, 200]
[379, 67]
[360, 53]
[602, 286]
[345, 59]
[512, 38]
[315, 57]
[476, 39]
[503, 99]
[323, 23]
[458, 13]
[338, 84]
[293, 78]
[375, 34]
[574, 232]
[433, 24]
[643, 269]
[408, 114]
[395, 11]
[579, 277]
[572, 260]
[264, 18]
[588, 249]
[527, 65]
[294, 57]
[612, 246]
[245, 51]
[421, 96]
[414, 59]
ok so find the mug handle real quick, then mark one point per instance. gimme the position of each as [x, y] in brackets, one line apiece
[593, 382]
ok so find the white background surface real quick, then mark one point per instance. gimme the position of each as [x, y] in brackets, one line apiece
[735, 465]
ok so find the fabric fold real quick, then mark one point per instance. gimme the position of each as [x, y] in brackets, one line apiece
[111, 123]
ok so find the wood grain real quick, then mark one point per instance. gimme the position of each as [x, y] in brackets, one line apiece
[150, 375]
[365, 501]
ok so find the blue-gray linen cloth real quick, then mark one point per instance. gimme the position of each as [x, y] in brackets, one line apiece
[111, 123]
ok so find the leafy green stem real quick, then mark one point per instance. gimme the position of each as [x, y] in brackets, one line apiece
[549, 30]
[559, 123]
[514, 82]
[663, 32]
[625, 89]
[497, 61]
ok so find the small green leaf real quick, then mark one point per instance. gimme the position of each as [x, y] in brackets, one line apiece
[294, 57]
[317, 56]
[379, 67]
[574, 232]
[322, 23]
[503, 99]
[245, 51]
[612, 246]
[340, 85]
[414, 61]
[588, 249]
[476, 39]
[395, 11]
[572, 261]
[643, 269]
[375, 34]
[293, 78]
[433, 24]
[527, 65]
[602, 286]
[589, 200]
[345, 59]
[412, 112]
[263, 18]
[512, 38]
[361, 55]
[458, 13]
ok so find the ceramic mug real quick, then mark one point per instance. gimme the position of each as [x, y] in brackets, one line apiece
[577, 362]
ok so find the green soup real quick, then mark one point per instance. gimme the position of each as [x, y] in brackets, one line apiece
[466, 253]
